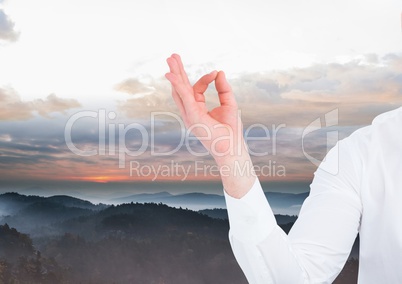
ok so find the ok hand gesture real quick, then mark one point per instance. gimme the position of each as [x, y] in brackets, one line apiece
[218, 129]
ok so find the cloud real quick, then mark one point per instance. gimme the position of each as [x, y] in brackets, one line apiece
[53, 104]
[146, 97]
[133, 86]
[13, 108]
[36, 149]
[7, 28]
[361, 89]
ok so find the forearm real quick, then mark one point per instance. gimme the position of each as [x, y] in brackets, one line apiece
[237, 173]
[261, 248]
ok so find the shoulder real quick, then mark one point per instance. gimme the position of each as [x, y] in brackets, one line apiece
[381, 125]
[384, 128]
[349, 158]
[388, 117]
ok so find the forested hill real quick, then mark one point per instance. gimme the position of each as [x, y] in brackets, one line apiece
[65, 240]
[127, 243]
[12, 202]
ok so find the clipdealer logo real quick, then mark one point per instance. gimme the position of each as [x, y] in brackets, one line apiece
[332, 138]
[112, 141]
[109, 132]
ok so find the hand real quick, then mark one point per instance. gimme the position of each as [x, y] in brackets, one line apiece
[219, 130]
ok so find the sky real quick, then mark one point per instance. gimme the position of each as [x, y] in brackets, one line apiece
[84, 101]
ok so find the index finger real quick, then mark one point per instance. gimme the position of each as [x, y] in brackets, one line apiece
[225, 92]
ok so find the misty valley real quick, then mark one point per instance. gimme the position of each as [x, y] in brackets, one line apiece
[62, 239]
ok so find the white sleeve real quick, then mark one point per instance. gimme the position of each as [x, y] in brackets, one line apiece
[320, 241]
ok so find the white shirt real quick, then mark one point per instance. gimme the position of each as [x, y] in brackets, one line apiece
[365, 196]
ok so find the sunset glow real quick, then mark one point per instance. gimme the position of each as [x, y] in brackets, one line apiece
[96, 68]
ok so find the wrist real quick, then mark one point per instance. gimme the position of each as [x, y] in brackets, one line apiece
[237, 173]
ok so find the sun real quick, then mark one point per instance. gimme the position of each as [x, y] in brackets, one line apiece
[97, 179]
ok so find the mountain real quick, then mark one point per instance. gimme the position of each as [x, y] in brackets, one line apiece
[37, 218]
[69, 201]
[219, 213]
[35, 214]
[142, 198]
[194, 201]
[281, 203]
[140, 221]
[125, 243]
[286, 203]
[12, 202]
